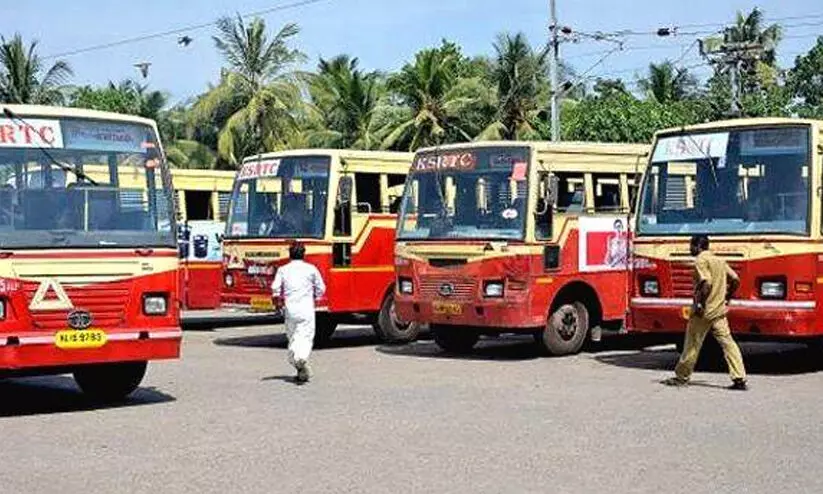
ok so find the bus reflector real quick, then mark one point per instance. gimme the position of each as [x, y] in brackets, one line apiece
[803, 287]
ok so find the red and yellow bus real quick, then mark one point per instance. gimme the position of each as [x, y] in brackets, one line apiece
[88, 265]
[342, 205]
[516, 237]
[753, 186]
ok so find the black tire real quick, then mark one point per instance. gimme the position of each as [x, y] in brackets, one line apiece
[324, 326]
[392, 330]
[454, 339]
[110, 382]
[565, 331]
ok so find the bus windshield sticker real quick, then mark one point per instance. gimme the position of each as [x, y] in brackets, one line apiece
[448, 161]
[509, 214]
[519, 171]
[691, 147]
[259, 169]
[105, 136]
[34, 133]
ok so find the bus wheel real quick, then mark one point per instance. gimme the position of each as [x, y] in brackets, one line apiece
[324, 326]
[390, 328]
[110, 382]
[454, 339]
[566, 330]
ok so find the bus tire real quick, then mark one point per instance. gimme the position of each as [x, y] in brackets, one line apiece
[391, 329]
[110, 382]
[565, 331]
[324, 326]
[453, 339]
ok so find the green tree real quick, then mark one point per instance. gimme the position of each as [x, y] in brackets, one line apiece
[346, 99]
[23, 79]
[666, 83]
[255, 103]
[436, 101]
[128, 97]
[805, 81]
[519, 75]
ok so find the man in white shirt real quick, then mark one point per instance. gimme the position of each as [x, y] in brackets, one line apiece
[296, 286]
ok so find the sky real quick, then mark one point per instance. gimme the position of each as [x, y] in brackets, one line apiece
[383, 34]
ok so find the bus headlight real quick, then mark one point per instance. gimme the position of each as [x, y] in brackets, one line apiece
[406, 286]
[772, 289]
[228, 280]
[155, 305]
[650, 287]
[493, 289]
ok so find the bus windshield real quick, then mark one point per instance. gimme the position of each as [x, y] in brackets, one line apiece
[282, 197]
[743, 181]
[72, 182]
[475, 193]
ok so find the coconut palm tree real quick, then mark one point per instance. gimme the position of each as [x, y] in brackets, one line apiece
[22, 75]
[434, 99]
[666, 83]
[519, 75]
[255, 102]
[749, 28]
[346, 99]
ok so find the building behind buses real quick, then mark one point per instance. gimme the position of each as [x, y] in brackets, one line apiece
[753, 186]
[342, 205]
[88, 265]
[516, 237]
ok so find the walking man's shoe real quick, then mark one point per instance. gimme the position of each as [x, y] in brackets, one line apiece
[739, 385]
[303, 371]
[675, 381]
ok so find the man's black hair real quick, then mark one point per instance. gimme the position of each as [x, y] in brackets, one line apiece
[701, 241]
[297, 251]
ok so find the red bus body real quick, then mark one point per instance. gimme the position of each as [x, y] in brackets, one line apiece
[89, 279]
[662, 284]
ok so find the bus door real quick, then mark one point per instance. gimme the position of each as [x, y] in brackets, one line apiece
[340, 282]
[544, 219]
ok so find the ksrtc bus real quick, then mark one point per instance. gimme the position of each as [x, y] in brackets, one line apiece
[516, 237]
[343, 206]
[753, 186]
[88, 265]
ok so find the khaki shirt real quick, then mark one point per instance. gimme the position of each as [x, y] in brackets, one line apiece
[716, 272]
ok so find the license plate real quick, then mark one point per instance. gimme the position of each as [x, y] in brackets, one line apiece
[73, 339]
[447, 308]
[262, 303]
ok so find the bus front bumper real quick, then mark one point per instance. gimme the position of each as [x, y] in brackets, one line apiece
[32, 350]
[499, 316]
[770, 318]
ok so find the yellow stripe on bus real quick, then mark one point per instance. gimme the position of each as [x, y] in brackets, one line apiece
[364, 269]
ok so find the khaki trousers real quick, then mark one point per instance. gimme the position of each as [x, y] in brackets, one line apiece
[696, 332]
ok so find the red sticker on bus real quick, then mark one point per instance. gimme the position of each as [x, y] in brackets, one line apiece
[519, 171]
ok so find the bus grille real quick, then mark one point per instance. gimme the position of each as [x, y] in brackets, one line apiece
[683, 279]
[106, 303]
[464, 289]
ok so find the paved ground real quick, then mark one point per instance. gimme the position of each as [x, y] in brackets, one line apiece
[379, 419]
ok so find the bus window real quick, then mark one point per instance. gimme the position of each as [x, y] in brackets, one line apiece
[607, 193]
[367, 188]
[342, 208]
[571, 195]
[396, 184]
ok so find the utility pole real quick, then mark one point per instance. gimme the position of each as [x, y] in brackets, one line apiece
[729, 57]
[554, 70]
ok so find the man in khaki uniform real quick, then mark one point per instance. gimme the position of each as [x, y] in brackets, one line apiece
[715, 282]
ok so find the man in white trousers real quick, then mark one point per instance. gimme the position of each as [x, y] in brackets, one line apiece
[296, 286]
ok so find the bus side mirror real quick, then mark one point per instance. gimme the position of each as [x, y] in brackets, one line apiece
[344, 194]
[553, 186]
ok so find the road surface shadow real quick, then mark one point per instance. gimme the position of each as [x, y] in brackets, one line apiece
[513, 347]
[348, 337]
[59, 394]
[760, 358]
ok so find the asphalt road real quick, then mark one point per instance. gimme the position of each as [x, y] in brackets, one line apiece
[227, 418]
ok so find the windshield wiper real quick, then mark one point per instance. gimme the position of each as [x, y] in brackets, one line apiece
[66, 168]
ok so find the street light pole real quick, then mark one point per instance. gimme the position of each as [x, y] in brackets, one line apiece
[554, 73]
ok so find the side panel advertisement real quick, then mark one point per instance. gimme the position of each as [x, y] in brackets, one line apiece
[604, 243]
